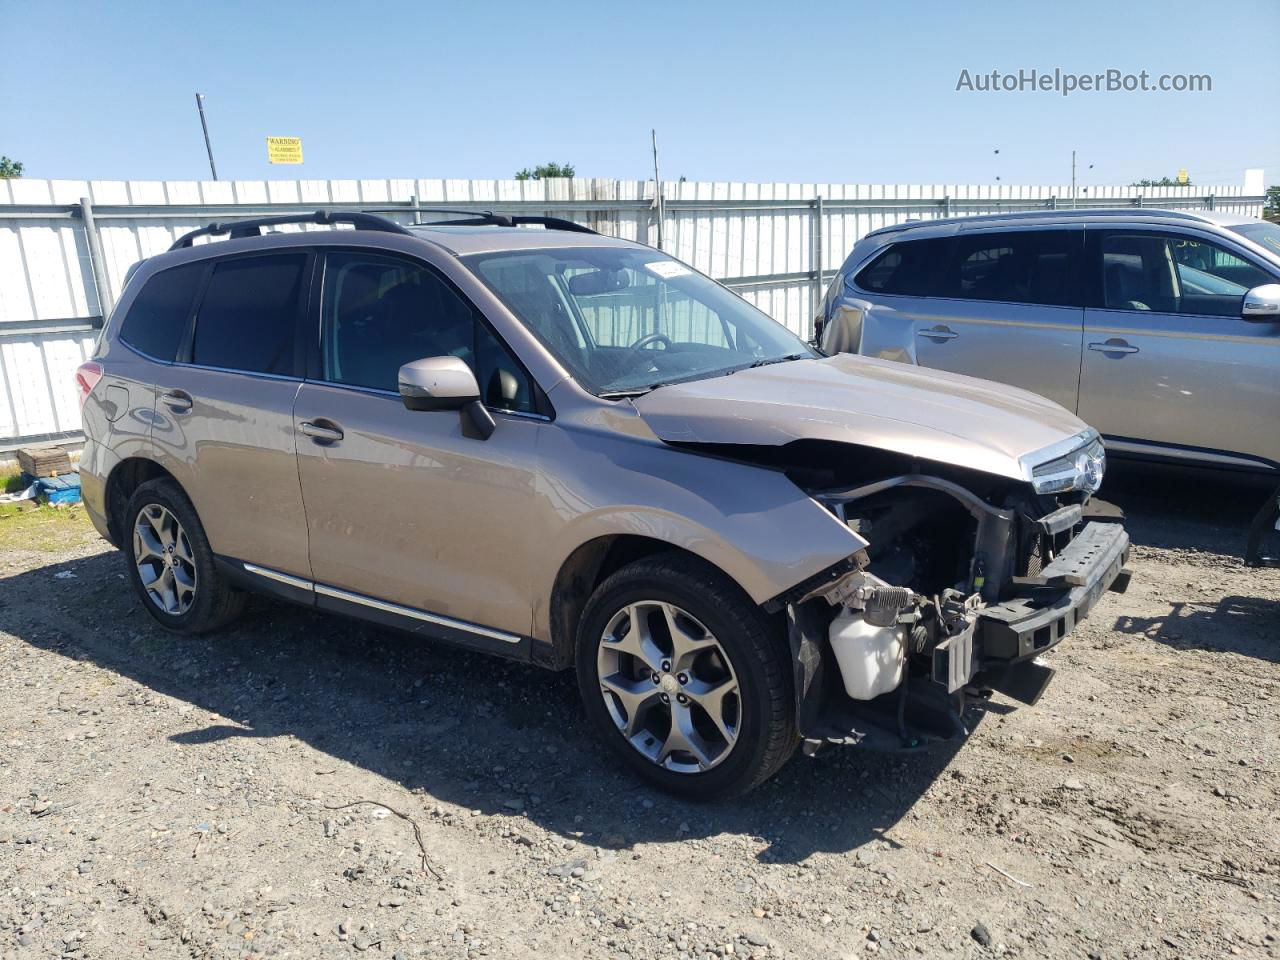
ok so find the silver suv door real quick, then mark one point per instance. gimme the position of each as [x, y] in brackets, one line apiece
[999, 304]
[410, 512]
[1169, 365]
[224, 411]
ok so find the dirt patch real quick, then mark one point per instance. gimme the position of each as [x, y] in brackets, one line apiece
[190, 799]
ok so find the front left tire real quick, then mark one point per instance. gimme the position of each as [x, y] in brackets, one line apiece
[685, 678]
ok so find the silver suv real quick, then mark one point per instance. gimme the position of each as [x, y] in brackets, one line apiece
[1160, 328]
[573, 450]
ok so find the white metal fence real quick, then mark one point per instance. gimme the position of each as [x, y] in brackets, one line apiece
[66, 245]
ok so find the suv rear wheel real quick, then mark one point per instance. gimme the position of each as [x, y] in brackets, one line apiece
[685, 678]
[171, 564]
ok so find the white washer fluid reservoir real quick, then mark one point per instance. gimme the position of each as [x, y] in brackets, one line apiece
[871, 658]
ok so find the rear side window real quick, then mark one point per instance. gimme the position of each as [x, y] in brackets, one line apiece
[905, 268]
[157, 319]
[1017, 267]
[248, 315]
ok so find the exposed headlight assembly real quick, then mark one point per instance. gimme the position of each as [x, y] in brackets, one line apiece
[1081, 469]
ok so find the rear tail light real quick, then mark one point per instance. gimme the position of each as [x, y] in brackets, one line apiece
[87, 377]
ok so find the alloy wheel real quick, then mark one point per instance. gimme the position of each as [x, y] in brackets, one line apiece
[166, 564]
[669, 686]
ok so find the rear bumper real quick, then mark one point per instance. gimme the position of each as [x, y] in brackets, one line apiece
[1049, 606]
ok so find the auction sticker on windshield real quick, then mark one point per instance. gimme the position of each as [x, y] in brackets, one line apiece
[666, 269]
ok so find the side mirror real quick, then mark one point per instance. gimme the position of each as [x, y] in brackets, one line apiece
[1262, 304]
[445, 383]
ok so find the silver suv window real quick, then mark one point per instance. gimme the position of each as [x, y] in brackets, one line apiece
[1174, 274]
[380, 312]
[248, 315]
[158, 318]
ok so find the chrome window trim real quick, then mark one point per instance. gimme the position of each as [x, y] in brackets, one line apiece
[242, 373]
[383, 605]
[377, 392]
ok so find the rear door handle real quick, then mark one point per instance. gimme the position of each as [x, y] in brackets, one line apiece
[1114, 345]
[321, 431]
[179, 401]
[940, 332]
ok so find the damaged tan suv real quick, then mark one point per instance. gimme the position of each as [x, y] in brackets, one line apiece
[573, 450]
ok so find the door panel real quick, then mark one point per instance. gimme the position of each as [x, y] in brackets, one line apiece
[405, 507]
[1027, 345]
[1211, 382]
[224, 411]
[228, 439]
[1168, 359]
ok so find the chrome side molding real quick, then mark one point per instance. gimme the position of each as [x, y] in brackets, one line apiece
[383, 605]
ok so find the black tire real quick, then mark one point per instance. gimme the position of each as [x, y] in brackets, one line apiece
[215, 602]
[756, 649]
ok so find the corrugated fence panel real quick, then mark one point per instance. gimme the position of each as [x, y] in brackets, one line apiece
[757, 237]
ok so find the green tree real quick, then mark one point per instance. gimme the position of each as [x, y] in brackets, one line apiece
[1162, 182]
[1273, 199]
[544, 170]
[9, 169]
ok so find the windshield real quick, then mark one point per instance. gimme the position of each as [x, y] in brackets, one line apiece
[1265, 235]
[625, 321]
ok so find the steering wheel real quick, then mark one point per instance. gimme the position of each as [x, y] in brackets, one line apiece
[649, 338]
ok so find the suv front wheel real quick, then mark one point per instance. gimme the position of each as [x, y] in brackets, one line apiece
[686, 678]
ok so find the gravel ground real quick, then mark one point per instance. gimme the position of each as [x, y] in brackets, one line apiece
[222, 798]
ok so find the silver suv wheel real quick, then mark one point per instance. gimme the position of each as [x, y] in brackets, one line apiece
[669, 686]
[166, 564]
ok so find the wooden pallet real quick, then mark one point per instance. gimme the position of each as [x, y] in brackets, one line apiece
[44, 461]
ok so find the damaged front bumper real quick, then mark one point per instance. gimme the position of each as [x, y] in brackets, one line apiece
[990, 640]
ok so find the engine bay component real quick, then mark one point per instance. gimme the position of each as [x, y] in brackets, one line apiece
[871, 656]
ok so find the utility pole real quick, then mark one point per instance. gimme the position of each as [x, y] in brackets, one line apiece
[657, 189]
[205, 127]
[1073, 179]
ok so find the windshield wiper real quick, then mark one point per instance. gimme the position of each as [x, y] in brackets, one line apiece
[634, 392]
[765, 361]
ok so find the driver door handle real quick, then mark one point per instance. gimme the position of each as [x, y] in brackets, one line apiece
[940, 332]
[321, 431]
[1114, 345]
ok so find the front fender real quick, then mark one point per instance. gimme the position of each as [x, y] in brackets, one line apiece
[750, 522]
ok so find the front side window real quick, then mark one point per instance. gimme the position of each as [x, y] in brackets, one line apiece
[1175, 274]
[249, 313]
[625, 320]
[379, 313]
[158, 317]
[1012, 267]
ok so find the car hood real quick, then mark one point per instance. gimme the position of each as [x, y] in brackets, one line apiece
[846, 398]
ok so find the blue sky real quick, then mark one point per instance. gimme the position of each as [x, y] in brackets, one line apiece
[826, 92]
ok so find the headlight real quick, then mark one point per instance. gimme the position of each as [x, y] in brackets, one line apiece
[1081, 469]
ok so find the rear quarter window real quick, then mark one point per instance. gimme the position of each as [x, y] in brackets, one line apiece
[906, 268]
[157, 320]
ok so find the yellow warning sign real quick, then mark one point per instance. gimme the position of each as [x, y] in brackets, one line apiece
[1182, 176]
[284, 149]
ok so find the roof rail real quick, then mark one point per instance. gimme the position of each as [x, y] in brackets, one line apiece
[253, 228]
[1056, 213]
[489, 218]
